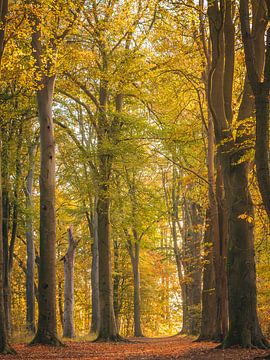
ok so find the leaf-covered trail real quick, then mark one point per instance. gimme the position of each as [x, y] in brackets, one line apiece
[165, 348]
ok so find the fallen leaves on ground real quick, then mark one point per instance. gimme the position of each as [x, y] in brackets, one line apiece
[173, 348]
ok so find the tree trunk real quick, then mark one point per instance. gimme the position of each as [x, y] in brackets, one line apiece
[192, 272]
[95, 318]
[208, 321]
[15, 205]
[257, 58]
[4, 346]
[68, 259]
[244, 326]
[262, 141]
[47, 327]
[108, 329]
[60, 303]
[116, 283]
[137, 291]
[30, 267]
[5, 223]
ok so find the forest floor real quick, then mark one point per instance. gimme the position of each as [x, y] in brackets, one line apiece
[177, 347]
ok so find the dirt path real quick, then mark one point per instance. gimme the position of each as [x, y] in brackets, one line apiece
[162, 349]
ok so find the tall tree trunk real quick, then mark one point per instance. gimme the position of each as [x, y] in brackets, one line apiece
[68, 259]
[257, 56]
[95, 317]
[108, 330]
[4, 346]
[116, 283]
[47, 327]
[216, 213]
[134, 252]
[5, 225]
[192, 271]
[30, 245]
[208, 321]
[137, 290]
[60, 303]
[15, 205]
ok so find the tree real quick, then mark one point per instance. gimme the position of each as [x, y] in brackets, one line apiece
[44, 52]
[4, 345]
[244, 327]
[257, 57]
[30, 267]
[68, 321]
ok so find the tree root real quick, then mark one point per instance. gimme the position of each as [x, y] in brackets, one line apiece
[208, 339]
[46, 339]
[260, 343]
[7, 350]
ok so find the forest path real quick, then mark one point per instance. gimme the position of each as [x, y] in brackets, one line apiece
[177, 347]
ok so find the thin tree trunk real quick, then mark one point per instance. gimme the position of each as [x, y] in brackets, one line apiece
[116, 282]
[5, 230]
[208, 321]
[4, 346]
[95, 318]
[60, 303]
[192, 271]
[69, 330]
[15, 204]
[137, 291]
[30, 245]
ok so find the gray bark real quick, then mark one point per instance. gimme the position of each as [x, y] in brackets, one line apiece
[68, 259]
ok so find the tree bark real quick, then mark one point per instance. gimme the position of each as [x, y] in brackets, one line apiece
[208, 321]
[257, 55]
[4, 345]
[15, 205]
[108, 329]
[244, 327]
[95, 317]
[69, 329]
[137, 290]
[106, 131]
[116, 283]
[5, 225]
[47, 327]
[30, 266]
[191, 265]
